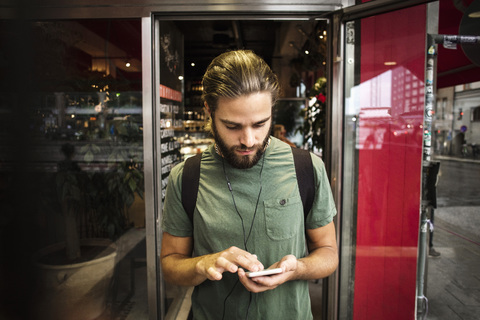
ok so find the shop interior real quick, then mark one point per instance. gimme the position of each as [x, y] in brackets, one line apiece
[86, 111]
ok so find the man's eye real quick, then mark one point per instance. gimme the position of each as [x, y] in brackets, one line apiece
[232, 127]
[259, 125]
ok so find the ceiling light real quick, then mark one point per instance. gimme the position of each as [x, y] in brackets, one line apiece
[127, 64]
[390, 63]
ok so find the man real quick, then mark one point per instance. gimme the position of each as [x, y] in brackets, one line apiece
[248, 215]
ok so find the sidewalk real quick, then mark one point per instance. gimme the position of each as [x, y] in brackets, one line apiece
[453, 279]
[464, 220]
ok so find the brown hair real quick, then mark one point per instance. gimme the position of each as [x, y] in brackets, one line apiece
[236, 73]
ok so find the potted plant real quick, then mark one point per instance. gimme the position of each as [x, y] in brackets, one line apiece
[313, 128]
[75, 276]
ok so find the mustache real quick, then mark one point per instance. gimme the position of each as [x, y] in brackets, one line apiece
[245, 148]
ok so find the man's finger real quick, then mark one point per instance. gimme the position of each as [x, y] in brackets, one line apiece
[227, 265]
[249, 261]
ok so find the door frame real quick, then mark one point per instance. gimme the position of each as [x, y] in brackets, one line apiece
[156, 288]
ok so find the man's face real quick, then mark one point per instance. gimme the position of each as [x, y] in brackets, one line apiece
[242, 127]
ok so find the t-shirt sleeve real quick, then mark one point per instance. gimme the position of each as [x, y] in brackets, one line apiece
[323, 209]
[175, 220]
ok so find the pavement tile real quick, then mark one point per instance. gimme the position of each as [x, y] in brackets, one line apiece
[453, 279]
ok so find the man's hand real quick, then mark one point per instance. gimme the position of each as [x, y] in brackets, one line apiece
[263, 283]
[321, 262]
[213, 265]
[180, 268]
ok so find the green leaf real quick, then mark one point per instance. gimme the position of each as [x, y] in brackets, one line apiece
[88, 156]
[132, 184]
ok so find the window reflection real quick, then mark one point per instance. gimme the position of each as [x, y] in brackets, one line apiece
[74, 159]
[387, 108]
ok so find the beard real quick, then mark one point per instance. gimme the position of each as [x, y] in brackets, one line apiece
[236, 161]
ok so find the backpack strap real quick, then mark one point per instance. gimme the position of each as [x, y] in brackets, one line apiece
[303, 169]
[305, 177]
[190, 181]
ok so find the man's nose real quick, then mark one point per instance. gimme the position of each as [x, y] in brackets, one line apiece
[248, 138]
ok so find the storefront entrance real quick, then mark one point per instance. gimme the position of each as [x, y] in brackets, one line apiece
[296, 49]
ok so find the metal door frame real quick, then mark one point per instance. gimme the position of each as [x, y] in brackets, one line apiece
[155, 282]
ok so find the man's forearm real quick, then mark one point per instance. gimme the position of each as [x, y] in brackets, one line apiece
[181, 270]
[319, 264]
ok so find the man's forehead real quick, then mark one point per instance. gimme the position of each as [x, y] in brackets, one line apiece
[244, 120]
[253, 108]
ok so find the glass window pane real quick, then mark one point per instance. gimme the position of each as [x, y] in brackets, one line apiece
[74, 156]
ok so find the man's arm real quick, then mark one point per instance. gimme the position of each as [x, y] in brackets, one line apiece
[322, 260]
[320, 263]
[180, 268]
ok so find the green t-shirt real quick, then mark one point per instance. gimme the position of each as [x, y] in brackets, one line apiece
[271, 229]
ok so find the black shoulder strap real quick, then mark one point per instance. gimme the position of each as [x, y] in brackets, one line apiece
[190, 181]
[303, 168]
[305, 177]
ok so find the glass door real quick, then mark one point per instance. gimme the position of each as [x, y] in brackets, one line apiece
[382, 158]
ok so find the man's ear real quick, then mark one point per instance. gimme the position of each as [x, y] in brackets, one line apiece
[207, 109]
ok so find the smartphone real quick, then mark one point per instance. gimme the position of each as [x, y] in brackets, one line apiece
[264, 272]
